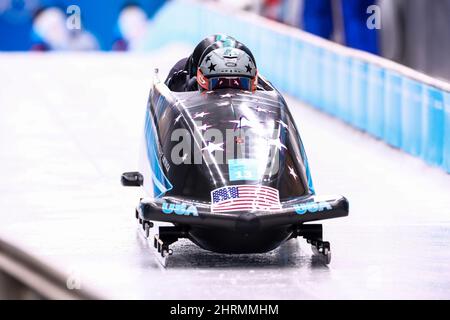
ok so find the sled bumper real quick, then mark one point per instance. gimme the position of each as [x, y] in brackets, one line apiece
[195, 213]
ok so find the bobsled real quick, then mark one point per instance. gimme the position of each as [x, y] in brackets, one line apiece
[227, 170]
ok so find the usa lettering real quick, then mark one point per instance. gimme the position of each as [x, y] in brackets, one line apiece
[180, 209]
[312, 207]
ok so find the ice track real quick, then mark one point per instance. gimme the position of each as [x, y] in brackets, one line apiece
[70, 125]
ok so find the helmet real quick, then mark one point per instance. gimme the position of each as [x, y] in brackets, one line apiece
[227, 67]
[194, 59]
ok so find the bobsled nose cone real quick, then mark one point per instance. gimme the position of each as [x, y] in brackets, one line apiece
[247, 222]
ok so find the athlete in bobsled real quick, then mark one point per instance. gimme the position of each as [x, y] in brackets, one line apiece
[223, 160]
[206, 66]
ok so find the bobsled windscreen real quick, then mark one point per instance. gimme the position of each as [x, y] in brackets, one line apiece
[239, 138]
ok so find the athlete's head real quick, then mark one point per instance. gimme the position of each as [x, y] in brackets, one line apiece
[194, 59]
[220, 40]
[226, 67]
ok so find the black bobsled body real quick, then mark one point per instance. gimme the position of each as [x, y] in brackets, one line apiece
[229, 171]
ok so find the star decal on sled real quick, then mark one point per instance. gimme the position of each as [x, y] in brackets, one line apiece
[277, 143]
[211, 147]
[204, 127]
[259, 109]
[292, 173]
[200, 114]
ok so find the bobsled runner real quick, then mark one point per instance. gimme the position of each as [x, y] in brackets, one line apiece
[228, 171]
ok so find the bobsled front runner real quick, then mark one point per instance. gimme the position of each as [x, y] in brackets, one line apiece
[228, 169]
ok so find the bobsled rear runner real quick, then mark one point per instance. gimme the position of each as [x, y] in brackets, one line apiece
[228, 169]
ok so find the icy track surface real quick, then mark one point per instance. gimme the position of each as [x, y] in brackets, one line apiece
[71, 124]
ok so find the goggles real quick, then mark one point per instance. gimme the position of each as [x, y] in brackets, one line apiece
[221, 82]
[232, 83]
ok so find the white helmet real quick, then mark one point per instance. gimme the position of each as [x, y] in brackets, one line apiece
[227, 68]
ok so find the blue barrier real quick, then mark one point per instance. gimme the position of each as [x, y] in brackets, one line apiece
[433, 126]
[283, 63]
[274, 56]
[375, 101]
[343, 87]
[292, 74]
[317, 75]
[406, 109]
[358, 96]
[301, 71]
[411, 117]
[446, 146]
[329, 81]
[392, 108]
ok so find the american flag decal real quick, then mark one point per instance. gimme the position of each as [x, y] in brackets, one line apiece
[245, 198]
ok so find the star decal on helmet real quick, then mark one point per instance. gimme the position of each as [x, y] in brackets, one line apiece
[212, 67]
[208, 58]
[249, 68]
